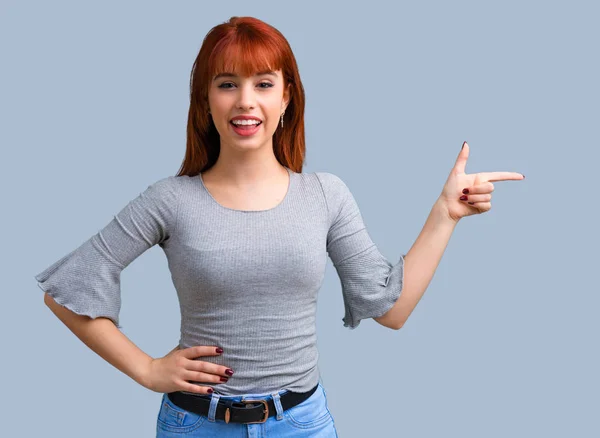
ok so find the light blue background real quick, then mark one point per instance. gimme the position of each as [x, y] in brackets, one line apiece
[504, 342]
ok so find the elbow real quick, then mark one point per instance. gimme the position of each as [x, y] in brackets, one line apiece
[51, 303]
[393, 318]
[388, 321]
[397, 326]
[48, 300]
[393, 326]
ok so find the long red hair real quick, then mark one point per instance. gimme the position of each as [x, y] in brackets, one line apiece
[246, 46]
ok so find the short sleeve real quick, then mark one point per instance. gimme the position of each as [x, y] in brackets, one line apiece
[87, 280]
[371, 285]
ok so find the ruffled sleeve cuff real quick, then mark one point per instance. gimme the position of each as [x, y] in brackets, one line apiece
[371, 285]
[85, 281]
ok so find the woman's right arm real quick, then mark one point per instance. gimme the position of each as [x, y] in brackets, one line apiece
[167, 374]
[105, 339]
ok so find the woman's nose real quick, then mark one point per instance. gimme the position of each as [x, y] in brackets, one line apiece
[246, 97]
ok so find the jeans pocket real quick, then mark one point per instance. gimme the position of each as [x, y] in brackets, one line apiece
[172, 418]
[311, 412]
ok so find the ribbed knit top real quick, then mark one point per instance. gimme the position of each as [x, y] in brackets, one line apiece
[246, 280]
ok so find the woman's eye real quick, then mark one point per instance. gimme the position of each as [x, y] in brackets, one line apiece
[228, 85]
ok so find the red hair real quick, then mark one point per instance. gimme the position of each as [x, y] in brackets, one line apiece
[246, 46]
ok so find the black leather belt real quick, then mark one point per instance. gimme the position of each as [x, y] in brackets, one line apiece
[245, 411]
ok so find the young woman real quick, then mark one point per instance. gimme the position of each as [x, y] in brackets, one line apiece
[247, 235]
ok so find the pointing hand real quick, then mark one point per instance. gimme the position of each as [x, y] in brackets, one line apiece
[466, 194]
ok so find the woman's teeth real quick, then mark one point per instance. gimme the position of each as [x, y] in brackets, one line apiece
[246, 122]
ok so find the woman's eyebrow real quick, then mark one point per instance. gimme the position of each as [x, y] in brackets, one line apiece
[233, 75]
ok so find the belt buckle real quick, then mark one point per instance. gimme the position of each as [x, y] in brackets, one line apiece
[266, 410]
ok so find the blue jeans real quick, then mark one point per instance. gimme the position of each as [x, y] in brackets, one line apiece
[311, 418]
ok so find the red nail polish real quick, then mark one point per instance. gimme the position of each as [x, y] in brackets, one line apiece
[466, 191]
[210, 390]
[224, 379]
[464, 198]
[471, 203]
[219, 350]
[229, 372]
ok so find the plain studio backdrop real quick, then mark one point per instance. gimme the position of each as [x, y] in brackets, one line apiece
[505, 340]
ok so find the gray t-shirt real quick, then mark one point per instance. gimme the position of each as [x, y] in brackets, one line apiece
[246, 280]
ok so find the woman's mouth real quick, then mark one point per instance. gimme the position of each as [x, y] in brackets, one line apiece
[245, 127]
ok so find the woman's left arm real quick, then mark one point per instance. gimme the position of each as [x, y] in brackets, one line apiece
[463, 195]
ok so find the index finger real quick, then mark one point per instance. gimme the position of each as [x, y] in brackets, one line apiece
[499, 176]
[198, 351]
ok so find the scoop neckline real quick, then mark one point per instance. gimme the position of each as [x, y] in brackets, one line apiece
[283, 201]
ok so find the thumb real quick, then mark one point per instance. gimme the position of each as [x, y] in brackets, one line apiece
[461, 160]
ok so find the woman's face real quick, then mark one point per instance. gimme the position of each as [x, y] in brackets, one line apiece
[257, 99]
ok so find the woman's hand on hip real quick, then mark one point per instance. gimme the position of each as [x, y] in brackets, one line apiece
[177, 369]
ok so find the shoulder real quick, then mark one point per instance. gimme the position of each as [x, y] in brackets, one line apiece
[336, 193]
[164, 192]
[333, 186]
[328, 179]
[165, 186]
[169, 185]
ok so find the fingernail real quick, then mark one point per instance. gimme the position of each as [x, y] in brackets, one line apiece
[229, 372]
[210, 390]
[464, 198]
[219, 350]
[466, 191]
[463, 146]
[523, 175]
[224, 379]
[471, 203]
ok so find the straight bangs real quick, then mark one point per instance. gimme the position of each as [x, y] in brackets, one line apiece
[245, 55]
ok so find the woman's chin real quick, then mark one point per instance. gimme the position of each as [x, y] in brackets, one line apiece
[246, 144]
